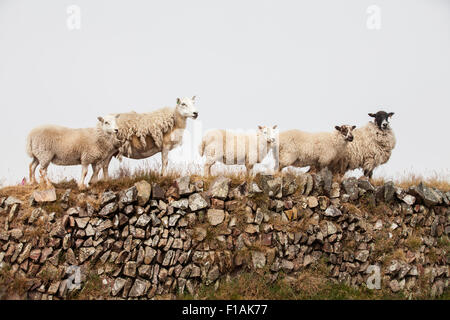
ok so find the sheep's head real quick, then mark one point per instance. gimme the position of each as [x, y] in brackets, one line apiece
[109, 123]
[268, 134]
[346, 131]
[382, 119]
[186, 107]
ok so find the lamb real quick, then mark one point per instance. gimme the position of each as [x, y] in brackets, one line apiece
[237, 148]
[301, 149]
[66, 147]
[144, 134]
[372, 146]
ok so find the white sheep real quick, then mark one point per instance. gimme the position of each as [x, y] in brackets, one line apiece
[67, 147]
[145, 134]
[372, 146]
[300, 149]
[237, 148]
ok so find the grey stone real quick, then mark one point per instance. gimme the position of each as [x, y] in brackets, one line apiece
[258, 259]
[107, 197]
[139, 288]
[197, 202]
[108, 209]
[184, 185]
[351, 188]
[429, 196]
[220, 187]
[332, 211]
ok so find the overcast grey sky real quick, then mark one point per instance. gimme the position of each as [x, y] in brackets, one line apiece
[299, 64]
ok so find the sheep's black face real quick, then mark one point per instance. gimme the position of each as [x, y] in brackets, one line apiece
[382, 119]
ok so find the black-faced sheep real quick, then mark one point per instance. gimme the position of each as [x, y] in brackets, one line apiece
[67, 147]
[372, 146]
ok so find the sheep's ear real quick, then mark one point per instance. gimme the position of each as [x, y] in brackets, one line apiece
[372, 115]
[338, 128]
[275, 126]
[390, 114]
[101, 119]
[178, 101]
[117, 116]
[353, 127]
[193, 98]
[260, 127]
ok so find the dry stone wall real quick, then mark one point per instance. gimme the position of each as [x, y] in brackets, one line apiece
[150, 240]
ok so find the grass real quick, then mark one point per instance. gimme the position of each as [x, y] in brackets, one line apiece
[306, 285]
[413, 179]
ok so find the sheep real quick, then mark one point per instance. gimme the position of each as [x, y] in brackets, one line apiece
[301, 149]
[372, 146]
[144, 134]
[237, 148]
[66, 147]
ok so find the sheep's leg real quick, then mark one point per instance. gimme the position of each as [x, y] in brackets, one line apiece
[84, 172]
[33, 166]
[96, 170]
[44, 178]
[105, 171]
[249, 168]
[105, 168]
[164, 160]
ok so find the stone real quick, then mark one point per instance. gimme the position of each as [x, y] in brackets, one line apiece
[290, 185]
[389, 191]
[215, 216]
[144, 190]
[332, 211]
[197, 202]
[287, 265]
[82, 222]
[220, 187]
[139, 288]
[199, 233]
[158, 192]
[12, 201]
[184, 185]
[429, 196]
[107, 197]
[312, 202]
[362, 255]
[35, 214]
[150, 253]
[365, 185]
[270, 185]
[351, 188]
[16, 234]
[182, 204]
[44, 196]
[130, 269]
[143, 220]
[119, 283]
[258, 259]
[108, 209]
[85, 253]
[128, 196]
[213, 274]
[335, 190]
